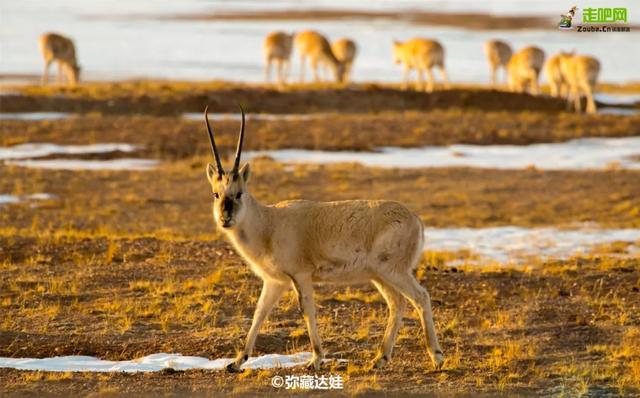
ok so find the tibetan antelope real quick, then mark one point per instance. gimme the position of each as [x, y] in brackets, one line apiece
[422, 55]
[524, 68]
[277, 49]
[498, 53]
[55, 47]
[316, 47]
[296, 243]
[345, 50]
[581, 74]
[557, 84]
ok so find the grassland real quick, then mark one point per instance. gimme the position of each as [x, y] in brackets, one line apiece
[124, 264]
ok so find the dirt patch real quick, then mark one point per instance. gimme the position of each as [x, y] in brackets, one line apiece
[171, 99]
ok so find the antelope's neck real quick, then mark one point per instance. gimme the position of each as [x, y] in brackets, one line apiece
[251, 237]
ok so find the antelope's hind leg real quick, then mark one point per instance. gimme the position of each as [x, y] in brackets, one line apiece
[407, 284]
[397, 305]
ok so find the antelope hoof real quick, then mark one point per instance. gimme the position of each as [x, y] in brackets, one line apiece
[233, 368]
[438, 359]
[380, 362]
[313, 364]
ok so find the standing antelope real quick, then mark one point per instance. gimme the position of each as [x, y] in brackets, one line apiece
[317, 48]
[422, 55]
[552, 69]
[345, 51]
[299, 242]
[498, 53]
[277, 48]
[524, 69]
[581, 74]
[55, 47]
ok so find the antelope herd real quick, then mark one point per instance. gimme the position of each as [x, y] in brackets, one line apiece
[570, 76]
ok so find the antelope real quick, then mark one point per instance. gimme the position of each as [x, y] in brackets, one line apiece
[277, 48]
[55, 47]
[581, 74]
[557, 84]
[296, 243]
[422, 55]
[498, 53]
[524, 69]
[317, 48]
[345, 51]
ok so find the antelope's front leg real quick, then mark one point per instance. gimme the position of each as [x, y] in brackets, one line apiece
[304, 290]
[271, 293]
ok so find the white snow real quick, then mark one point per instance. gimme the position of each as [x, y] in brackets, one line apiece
[199, 116]
[5, 198]
[512, 244]
[150, 363]
[80, 164]
[579, 154]
[33, 116]
[36, 150]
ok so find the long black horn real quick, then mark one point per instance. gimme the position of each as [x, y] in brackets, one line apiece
[214, 149]
[236, 164]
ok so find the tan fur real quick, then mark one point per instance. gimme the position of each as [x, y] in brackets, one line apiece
[421, 55]
[345, 51]
[316, 47]
[55, 47]
[524, 69]
[498, 54]
[277, 49]
[557, 85]
[294, 244]
[581, 74]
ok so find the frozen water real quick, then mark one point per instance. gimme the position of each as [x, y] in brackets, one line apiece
[150, 363]
[114, 48]
[579, 154]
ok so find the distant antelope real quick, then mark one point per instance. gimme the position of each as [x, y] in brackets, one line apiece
[55, 47]
[277, 49]
[498, 53]
[345, 51]
[581, 74]
[293, 244]
[316, 47]
[557, 84]
[422, 55]
[524, 69]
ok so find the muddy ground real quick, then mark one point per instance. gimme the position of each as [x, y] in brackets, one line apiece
[123, 264]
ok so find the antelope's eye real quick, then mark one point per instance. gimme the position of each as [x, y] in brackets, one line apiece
[238, 195]
[215, 195]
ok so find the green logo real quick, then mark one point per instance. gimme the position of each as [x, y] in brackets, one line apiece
[565, 19]
[604, 15]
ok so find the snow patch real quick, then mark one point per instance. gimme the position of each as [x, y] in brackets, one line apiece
[150, 363]
[33, 116]
[5, 198]
[513, 245]
[579, 154]
[80, 164]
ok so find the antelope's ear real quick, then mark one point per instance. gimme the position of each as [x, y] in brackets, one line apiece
[212, 172]
[245, 172]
